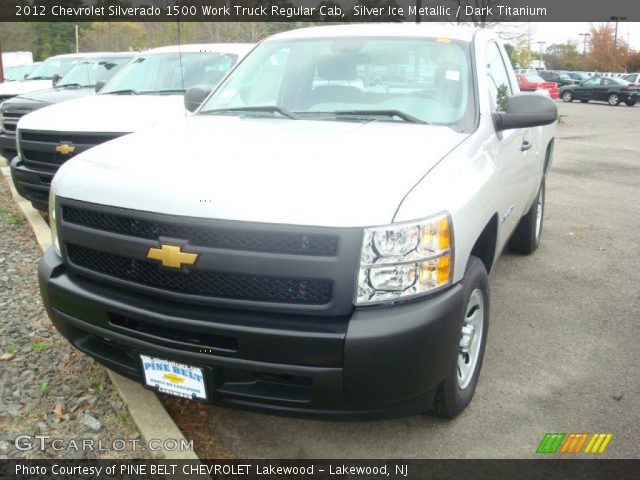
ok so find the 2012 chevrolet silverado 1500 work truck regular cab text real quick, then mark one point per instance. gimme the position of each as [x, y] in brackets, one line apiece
[315, 239]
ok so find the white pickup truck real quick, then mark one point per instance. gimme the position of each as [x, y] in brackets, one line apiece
[316, 239]
[147, 91]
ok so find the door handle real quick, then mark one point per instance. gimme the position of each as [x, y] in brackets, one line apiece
[526, 145]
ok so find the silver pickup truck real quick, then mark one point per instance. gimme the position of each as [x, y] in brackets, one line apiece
[315, 239]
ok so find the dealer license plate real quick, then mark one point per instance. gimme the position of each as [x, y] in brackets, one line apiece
[174, 378]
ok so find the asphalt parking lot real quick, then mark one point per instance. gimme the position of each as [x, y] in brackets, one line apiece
[564, 335]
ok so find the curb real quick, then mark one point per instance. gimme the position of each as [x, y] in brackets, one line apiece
[147, 412]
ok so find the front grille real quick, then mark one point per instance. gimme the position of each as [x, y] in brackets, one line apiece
[10, 119]
[226, 238]
[67, 137]
[38, 149]
[200, 282]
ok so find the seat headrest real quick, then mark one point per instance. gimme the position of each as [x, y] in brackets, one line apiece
[337, 67]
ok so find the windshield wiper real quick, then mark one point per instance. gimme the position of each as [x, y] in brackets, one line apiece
[160, 92]
[38, 78]
[124, 91]
[378, 113]
[265, 108]
[73, 85]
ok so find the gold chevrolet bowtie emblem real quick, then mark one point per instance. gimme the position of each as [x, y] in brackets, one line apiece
[65, 149]
[172, 256]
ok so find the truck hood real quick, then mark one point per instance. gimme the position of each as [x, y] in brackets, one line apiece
[105, 113]
[23, 86]
[55, 95]
[299, 172]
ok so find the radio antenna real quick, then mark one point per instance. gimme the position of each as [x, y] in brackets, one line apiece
[180, 59]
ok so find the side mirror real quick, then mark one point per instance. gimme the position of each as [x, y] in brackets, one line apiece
[523, 111]
[194, 96]
[99, 85]
[55, 79]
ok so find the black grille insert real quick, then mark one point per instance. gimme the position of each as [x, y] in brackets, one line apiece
[201, 282]
[226, 238]
[69, 137]
[39, 148]
[200, 340]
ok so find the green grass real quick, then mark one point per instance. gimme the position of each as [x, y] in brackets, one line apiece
[10, 349]
[10, 218]
[40, 347]
[124, 417]
[96, 382]
[44, 388]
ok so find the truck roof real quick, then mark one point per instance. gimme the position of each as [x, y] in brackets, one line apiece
[238, 48]
[75, 55]
[455, 32]
[108, 54]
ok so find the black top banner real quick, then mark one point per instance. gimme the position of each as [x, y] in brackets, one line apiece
[479, 12]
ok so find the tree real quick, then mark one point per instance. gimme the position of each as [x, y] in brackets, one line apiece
[520, 55]
[564, 56]
[601, 44]
[634, 62]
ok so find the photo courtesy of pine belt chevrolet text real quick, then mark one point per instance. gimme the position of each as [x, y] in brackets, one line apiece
[314, 237]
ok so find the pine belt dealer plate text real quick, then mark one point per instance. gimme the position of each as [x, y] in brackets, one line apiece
[174, 378]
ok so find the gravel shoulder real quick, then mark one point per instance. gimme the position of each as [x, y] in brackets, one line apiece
[48, 388]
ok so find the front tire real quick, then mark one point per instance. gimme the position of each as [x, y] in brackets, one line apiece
[455, 392]
[567, 96]
[630, 103]
[613, 99]
[526, 237]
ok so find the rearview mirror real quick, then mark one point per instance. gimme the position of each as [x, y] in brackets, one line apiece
[526, 110]
[55, 79]
[194, 96]
[99, 85]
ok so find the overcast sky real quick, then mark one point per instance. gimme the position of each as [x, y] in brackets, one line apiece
[560, 32]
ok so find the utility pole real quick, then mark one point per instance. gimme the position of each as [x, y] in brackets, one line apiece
[615, 42]
[584, 42]
[77, 42]
[1, 66]
[540, 58]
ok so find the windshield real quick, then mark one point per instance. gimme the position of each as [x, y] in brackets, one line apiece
[534, 78]
[160, 72]
[18, 72]
[91, 71]
[347, 79]
[53, 66]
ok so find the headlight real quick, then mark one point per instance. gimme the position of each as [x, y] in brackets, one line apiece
[405, 260]
[52, 222]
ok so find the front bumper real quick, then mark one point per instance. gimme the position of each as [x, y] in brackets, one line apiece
[8, 146]
[32, 184]
[390, 358]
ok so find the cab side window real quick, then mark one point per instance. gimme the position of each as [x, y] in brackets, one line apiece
[499, 85]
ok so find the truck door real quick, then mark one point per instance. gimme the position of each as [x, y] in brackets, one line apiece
[513, 151]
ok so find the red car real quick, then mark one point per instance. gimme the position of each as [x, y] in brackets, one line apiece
[530, 82]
